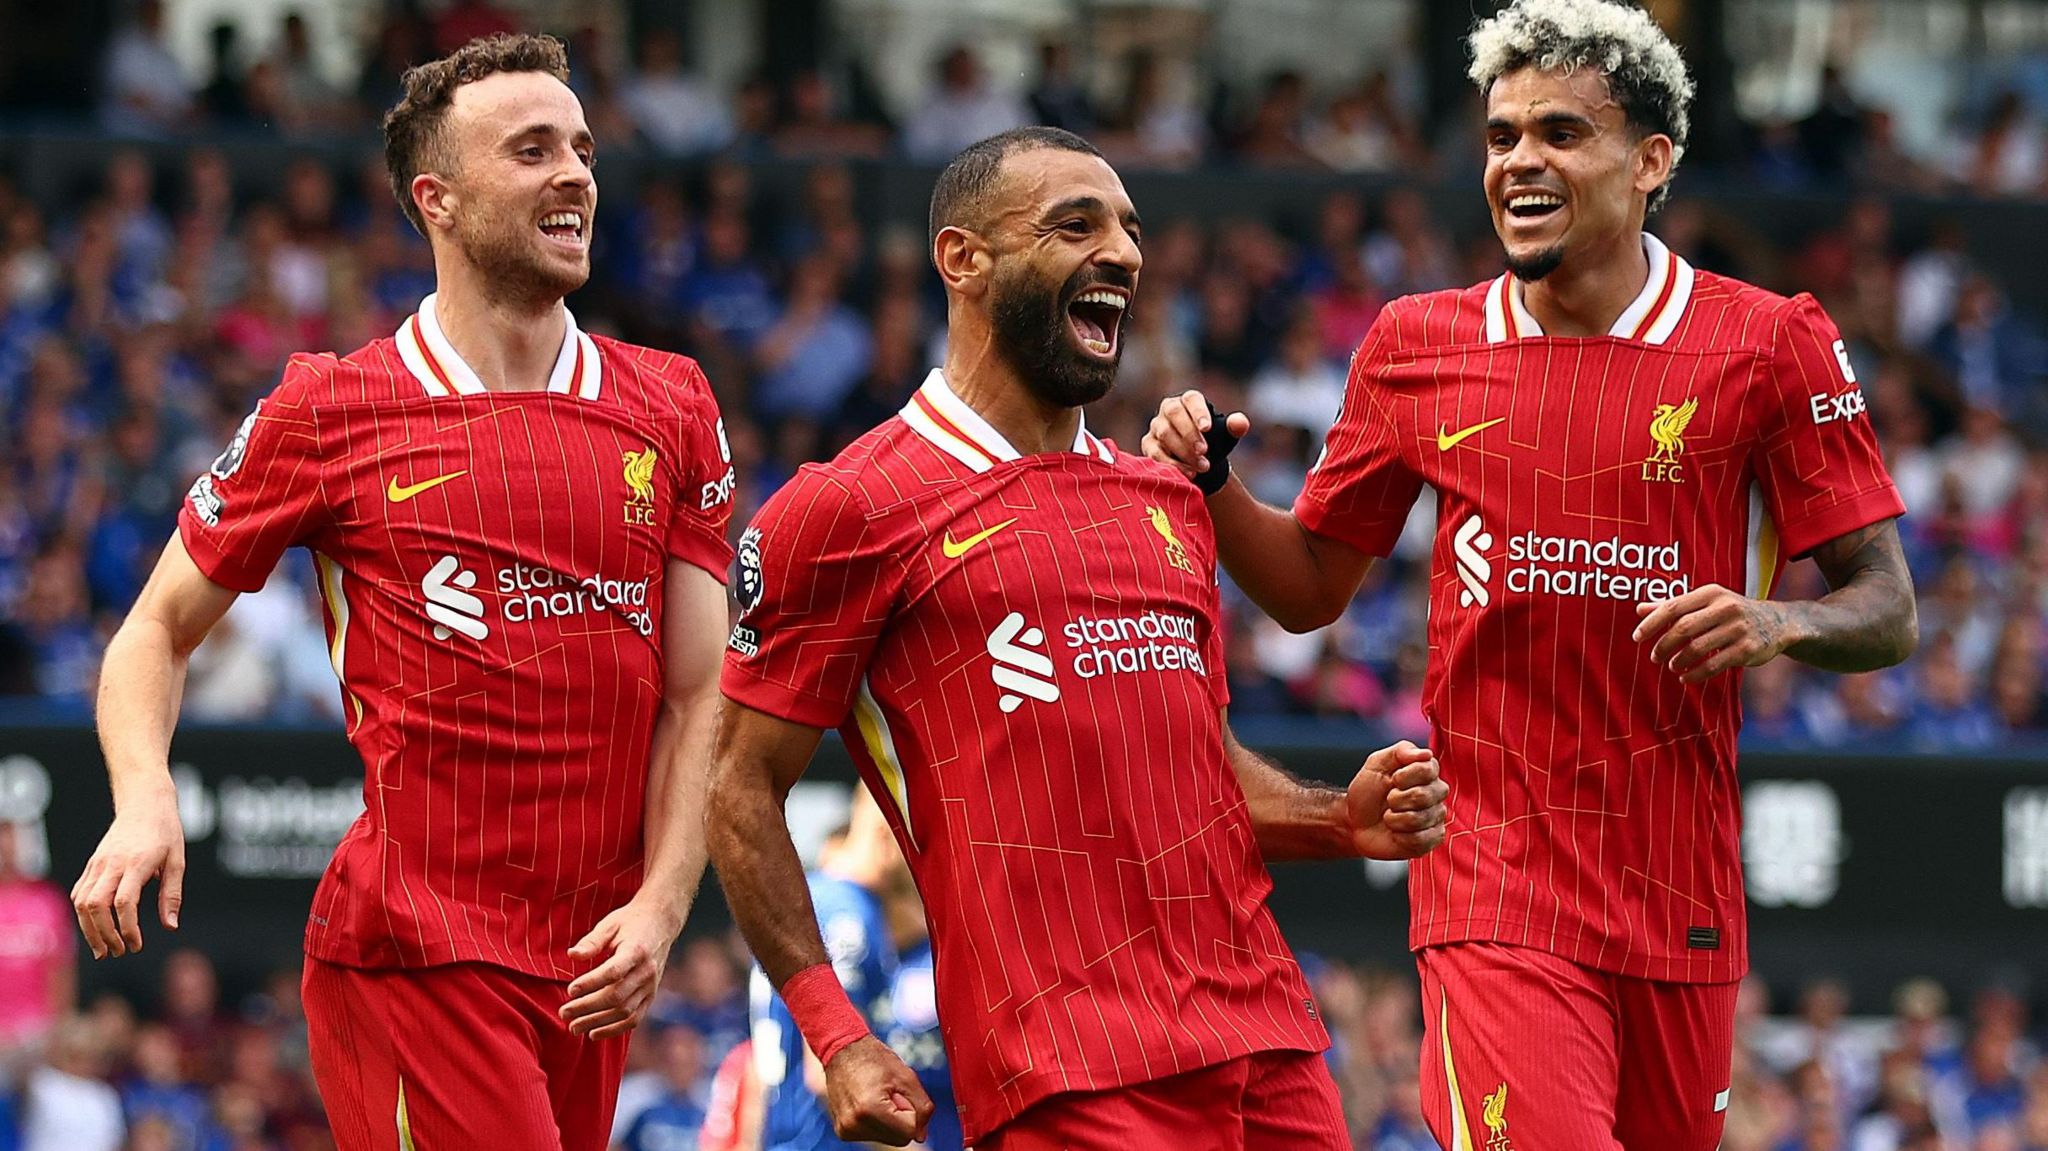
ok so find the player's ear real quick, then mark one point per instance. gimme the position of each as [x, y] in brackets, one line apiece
[1653, 162]
[963, 260]
[436, 200]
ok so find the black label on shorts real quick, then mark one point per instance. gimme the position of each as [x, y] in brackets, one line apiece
[1703, 938]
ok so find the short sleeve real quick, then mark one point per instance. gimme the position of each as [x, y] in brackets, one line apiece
[697, 530]
[1360, 490]
[815, 580]
[264, 493]
[1819, 465]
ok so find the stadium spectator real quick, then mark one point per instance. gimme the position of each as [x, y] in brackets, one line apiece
[225, 99]
[816, 351]
[144, 91]
[158, 1089]
[1059, 99]
[960, 110]
[466, 20]
[38, 951]
[673, 110]
[67, 1104]
[816, 126]
[1362, 131]
[675, 1118]
[1159, 125]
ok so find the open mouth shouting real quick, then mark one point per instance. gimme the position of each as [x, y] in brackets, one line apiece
[1097, 317]
[1531, 206]
[568, 228]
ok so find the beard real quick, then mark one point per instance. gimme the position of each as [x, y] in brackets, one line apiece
[502, 246]
[1029, 320]
[1530, 269]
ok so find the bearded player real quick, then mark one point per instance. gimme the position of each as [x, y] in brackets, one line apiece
[1015, 627]
[519, 531]
[1625, 451]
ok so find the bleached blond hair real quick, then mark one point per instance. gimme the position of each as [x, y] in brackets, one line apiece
[1644, 71]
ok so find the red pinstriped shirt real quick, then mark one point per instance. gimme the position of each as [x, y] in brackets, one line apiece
[1715, 431]
[492, 567]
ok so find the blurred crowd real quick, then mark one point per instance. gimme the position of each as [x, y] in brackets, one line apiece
[190, 1071]
[142, 318]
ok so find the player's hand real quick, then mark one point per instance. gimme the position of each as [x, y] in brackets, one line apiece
[873, 1096]
[145, 841]
[612, 998]
[1710, 629]
[1396, 802]
[1178, 434]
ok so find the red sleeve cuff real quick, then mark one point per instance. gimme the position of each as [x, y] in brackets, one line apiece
[215, 564]
[1373, 539]
[743, 683]
[1801, 536]
[704, 550]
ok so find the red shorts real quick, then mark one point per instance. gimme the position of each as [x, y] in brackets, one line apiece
[1269, 1099]
[467, 1055]
[1523, 1051]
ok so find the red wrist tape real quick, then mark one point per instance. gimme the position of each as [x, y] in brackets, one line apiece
[828, 1019]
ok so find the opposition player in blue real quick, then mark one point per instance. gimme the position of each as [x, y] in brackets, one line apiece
[675, 1120]
[913, 1032]
[858, 869]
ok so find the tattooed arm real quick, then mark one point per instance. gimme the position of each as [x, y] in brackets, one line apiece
[1867, 620]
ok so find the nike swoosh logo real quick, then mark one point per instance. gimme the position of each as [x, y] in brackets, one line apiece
[398, 493]
[956, 550]
[1445, 441]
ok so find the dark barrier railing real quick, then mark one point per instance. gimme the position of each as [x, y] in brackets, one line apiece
[1872, 868]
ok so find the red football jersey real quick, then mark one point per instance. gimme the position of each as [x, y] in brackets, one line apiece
[1716, 430]
[1022, 653]
[492, 565]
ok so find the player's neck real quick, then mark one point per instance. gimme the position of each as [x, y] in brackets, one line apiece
[987, 383]
[510, 344]
[1590, 291]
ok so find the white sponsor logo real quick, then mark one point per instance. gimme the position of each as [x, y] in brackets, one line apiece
[718, 491]
[1792, 842]
[744, 640]
[1020, 671]
[542, 593]
[1152, 641]
[206, 502]
[449, 603]
[1827, 407]
[1603, 569]
[1468, 549]
[2026, 847]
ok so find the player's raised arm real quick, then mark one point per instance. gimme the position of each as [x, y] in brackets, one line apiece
[1302, 579]
[141, 682]
[870, 1093]
[1393, 808]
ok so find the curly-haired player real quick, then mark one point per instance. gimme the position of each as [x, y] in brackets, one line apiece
[1624, 450]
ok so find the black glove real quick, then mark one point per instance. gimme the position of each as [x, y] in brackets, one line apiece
[1220, 440]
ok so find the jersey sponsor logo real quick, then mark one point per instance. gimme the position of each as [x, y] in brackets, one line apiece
[744, 640]
[748, 581]
[718, 491]
[955, 549]
[1445, 440]
[1493, 1111]
[1843, 405]
[1667, 429]
[1468, 554]
[639, 472]
[1176, 553]
[206, 502]
[449, 602]
[536, 593]
[398, 493]
[1609, 568]
[1152, 641]
[1020, 670]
